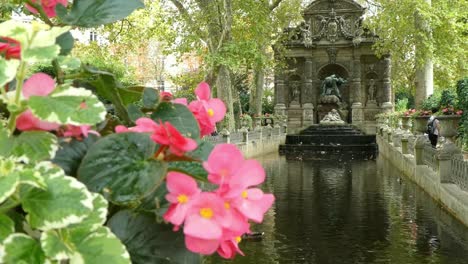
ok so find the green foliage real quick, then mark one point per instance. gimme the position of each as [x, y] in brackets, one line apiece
[448, 98]
[413, 32]
[149, 241]
[401, 105]
[179, 116]
[402, 93]
[127, 170]
[432, 102]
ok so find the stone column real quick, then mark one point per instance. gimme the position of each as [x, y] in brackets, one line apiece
[425, 72]
[307, 105]
[280, 107]
[357, 114]
[386, 84]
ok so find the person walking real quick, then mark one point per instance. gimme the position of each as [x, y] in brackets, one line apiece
[433, 127]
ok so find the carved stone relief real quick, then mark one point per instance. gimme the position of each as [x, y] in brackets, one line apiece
[332, 52]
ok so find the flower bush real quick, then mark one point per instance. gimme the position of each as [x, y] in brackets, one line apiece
[72, 191]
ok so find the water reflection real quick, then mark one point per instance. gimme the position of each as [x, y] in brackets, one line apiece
[351, 212]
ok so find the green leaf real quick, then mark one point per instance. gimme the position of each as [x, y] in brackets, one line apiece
[179, 116]
[8, 70]
[92, 13]
[150, 98]
[68, 63]
[134, 112]
[194, 169]
[7, 227]
[70, 153]
[21, 249]
[129, 96]
[149, 241]
[155, 202]
[97, 217]
[202, 151]
[101, 246]
[122, 168]
[5, 143]
[33, 146]
[86, 242]
[31, 177]
[74, 106]
[40, 54]
[9, 179]
[107, 87]
[66, 201]
[66, 42]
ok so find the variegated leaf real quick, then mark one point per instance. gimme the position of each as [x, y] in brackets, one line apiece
[64, 202]
[20, 248]
[74, 106]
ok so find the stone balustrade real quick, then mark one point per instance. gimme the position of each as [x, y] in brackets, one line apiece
[252, 143]
[442, 172]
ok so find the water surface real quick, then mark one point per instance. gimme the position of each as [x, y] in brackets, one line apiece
[344, 211]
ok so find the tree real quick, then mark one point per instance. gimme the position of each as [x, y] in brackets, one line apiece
[416, 32]
[231, 36]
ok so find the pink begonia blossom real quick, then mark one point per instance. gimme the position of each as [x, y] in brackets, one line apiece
[27, 121]
[165, 96]
[207, 109]
[228, 248]
[167, 134]
[182, 189]
[199, 111]
[182, 101]
[223, 161]
[39, 84]
[78, 131]
[203, 227]
[143, 125]
[48, 6]
[214, 106]
[251, 202]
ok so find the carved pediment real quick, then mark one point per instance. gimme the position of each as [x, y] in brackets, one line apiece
[320, 6]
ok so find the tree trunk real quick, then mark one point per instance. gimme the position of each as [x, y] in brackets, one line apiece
[223, 87]
[257, 91]
[424, 72]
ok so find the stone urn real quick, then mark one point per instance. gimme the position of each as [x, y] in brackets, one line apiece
[420, 124]
[449, 126]
[406, 123]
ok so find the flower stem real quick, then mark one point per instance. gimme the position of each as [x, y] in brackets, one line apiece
[20, 76]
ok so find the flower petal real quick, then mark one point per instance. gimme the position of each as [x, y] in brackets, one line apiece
[201, 246]
[39, 84]
[219, 109]
[203, 91]
[179, 183]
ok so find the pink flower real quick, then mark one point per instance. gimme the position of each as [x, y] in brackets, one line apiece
[213, 107]
[228, 248]
[182, 101]
[459, 112]
[167, 134]
[199, 111]
[204, 224]
[251, 202]
[223, 161]
[11, 49]
[182, 189]
[39, 84]
[165, 96]
[26, 121]
[78, 131]
[48, 6]
[143, 125]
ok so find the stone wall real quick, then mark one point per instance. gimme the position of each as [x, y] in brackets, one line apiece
[444, 180]
[252, 143]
